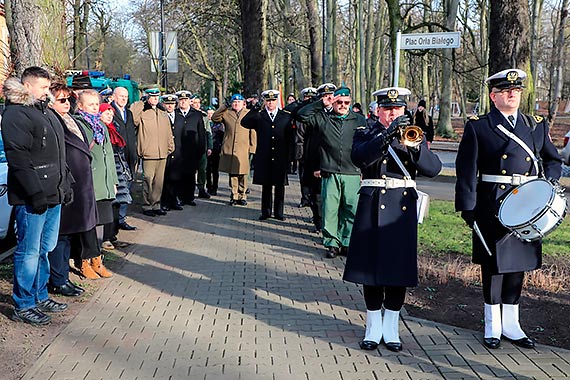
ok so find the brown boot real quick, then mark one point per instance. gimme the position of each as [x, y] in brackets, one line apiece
[87, 271]
[99, 268]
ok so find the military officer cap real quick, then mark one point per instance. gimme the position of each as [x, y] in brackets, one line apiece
[196, 96]
[152, 91]
[326, 88]
[169, 99]
[391, 96]
[183, 94]
[342, 91]
[270, 94]
[509, 78]
[237, 97]
[308, 91]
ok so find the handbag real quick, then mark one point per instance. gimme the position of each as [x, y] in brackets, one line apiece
[422, 203]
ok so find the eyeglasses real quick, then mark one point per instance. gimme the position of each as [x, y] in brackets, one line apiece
[62, 100]
[341, 102]
[516, 90]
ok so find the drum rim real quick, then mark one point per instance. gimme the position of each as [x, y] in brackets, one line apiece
[537, 216]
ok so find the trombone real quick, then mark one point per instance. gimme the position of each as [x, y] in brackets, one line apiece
[411, 136]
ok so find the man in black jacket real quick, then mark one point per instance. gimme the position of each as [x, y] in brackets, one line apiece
[37, 185]
[123, 119]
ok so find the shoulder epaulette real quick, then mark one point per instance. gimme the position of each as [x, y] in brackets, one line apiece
[538, 118]
[474, 117]
[289, 112]
[361, 127]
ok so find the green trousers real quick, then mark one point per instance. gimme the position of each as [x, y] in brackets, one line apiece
[340, 199]
[202, 165]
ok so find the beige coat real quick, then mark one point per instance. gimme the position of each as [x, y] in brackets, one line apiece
[155, 138]
[237, 143]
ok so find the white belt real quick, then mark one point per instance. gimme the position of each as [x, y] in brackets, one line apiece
[389, 183]
[515, 179]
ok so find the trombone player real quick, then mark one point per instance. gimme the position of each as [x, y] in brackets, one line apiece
[382, 254]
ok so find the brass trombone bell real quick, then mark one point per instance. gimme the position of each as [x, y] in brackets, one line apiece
[411, 136]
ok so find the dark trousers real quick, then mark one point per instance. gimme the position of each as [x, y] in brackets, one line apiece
[59, 261]
[110, 230]
[392, 297]
[188, 186]
[316, 202]
[502, 288]
[266, 200]
[170, 193]
[212, 172]
[84, 245]
[305, 189]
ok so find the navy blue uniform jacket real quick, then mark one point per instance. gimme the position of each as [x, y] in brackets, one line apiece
[484, 149]
[383, 244]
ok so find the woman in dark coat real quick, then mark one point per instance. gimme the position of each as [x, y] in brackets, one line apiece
[78, 218]
[382, 255]
[274, 137]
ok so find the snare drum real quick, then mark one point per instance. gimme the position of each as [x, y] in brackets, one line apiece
[533, 209]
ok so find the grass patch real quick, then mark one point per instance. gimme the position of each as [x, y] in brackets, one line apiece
[6, 271]
[444, 232]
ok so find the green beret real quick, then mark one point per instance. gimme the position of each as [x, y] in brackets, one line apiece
[342, 91]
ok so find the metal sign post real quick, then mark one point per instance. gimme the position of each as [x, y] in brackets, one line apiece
[419, 41]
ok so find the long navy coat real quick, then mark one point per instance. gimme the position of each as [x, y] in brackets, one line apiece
[383, 244]
[484, 149]
[190, 144]
[273, 145]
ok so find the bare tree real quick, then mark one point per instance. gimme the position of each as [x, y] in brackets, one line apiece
[254, 42]
[315, 41]
[557, 63]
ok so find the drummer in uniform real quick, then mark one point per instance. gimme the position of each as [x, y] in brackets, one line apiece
[382, 255]
[489, 165]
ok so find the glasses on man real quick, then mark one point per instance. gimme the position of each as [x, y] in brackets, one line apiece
[516, 90]
[62, 100]
[341, 102]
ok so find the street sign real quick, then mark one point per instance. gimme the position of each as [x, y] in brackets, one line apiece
[170, 51]
[447, 40]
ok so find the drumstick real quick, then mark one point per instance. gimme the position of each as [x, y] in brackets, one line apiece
[480, 235]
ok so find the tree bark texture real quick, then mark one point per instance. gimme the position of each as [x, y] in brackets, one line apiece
[315, 42]
[254, 45]
[25, 40]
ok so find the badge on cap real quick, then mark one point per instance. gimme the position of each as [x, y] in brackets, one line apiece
[392, 94]
[512, 76]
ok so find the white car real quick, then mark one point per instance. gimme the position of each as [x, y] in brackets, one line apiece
[565, 153]
[5, 208]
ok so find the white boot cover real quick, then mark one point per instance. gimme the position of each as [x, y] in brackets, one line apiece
[391, 325]
[511, 326]
[493, 327]
[373, 326]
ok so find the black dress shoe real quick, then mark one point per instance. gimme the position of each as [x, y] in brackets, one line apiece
[343, 251]
[165, 208]
[393, 346]
[332, 252]
[231, 202]
[191, 203]
[177, 208]
[248, 191]
[213, 192]
[203, 194]
[76, 287]
[241, 202]
[304, 204]
[368, 345]
[127, 227]
[522, 342]
[149, 213]
[492, 343]
[64, 290]
[280, 217]
[263, 217]
[159, 212]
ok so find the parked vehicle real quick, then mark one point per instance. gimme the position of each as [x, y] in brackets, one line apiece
[565, 153]
[6, 220]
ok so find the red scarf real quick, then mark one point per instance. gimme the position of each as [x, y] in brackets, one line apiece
[116, 138]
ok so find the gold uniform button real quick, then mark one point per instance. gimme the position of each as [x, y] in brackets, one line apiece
[385, 162]
[528, 159]
[404, 208]
[383, 191]
[382, 207]
[405, 192]
[526, 174]
[406, 162]
[383, 175]
[503, 187]
[273, 137]
[504, 156]
[500, 201]
[272, 126]
[503, 171]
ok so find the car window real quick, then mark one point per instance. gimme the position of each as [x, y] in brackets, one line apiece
[2, 153]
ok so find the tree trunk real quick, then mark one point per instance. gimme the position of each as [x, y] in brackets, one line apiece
[444, 127]
[25, 42]
[254, 42]
[331, 63]
[535, 26]
[395, 18]
[484, 48]
[511, 18]
[557, 64]
[315, 42]
[81, 9]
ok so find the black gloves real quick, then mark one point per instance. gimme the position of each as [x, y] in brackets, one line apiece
[399, 123]
[39, 203]
[469, 217]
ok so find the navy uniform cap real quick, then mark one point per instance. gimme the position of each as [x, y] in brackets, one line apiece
[270, 94]
[169, 99]
[183, 94]
[308, 91]
[326, 88]
[509, 78]
[152, 91]
[391, 96]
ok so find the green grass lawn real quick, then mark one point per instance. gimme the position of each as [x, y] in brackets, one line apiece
[445, 232]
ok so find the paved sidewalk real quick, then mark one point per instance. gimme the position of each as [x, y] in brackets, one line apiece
[212, 293]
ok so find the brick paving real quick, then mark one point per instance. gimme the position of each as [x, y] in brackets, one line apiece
[212, 293]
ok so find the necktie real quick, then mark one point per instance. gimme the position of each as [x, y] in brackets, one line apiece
[271, 115]
[512, 121]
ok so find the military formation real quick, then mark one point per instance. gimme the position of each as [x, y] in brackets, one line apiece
[357, 175]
